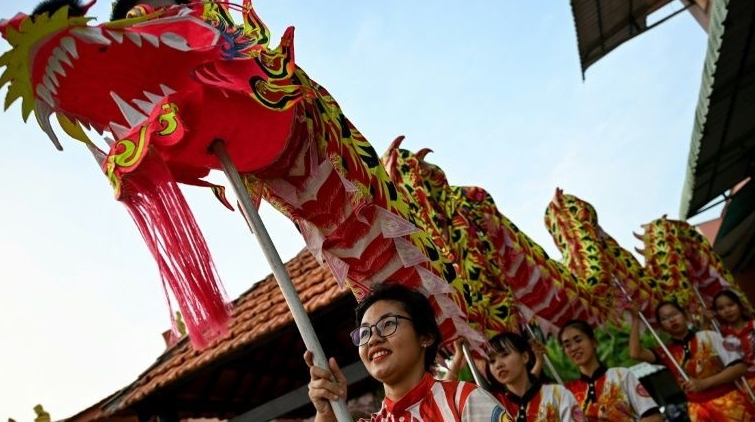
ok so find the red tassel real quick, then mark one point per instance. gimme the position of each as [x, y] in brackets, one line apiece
[167, 225]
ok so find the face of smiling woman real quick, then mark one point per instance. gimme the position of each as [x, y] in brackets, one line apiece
[399, 358]
[728, 310]
[578, 346]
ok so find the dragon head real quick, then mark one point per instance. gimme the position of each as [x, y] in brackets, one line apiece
[218, 79]
[569, 210]
[413, 171]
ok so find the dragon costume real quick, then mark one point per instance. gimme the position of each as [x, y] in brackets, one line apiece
[596, 259]
[499, 266]
[287, 136]
[295, 149]
[677, 257]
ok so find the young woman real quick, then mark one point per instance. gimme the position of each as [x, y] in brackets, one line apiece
[514, 381]
[711, 367]
[737, 325]
[605, 394]
[510, 372]
[398, 341]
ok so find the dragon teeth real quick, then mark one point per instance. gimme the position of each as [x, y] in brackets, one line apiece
[119, 131]
[167, 90]
[132, 115]
[116, 35]
[144, 106]
[174, 41]
[60, 56]
[99, 156]
[44, 93]
[48, 84]
[134, 38]
[92, 35]
[43, 113]
[50, 73]
[69, 44]
[154, 98]
[152, 39]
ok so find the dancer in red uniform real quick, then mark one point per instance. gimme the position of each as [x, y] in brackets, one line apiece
[398, 341]
[737, 327]
[513, 377]
[711, 365]
[605, 394]
[509, 370]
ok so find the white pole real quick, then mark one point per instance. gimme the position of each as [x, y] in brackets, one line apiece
[547, 359]
[548, 362]
[478, 378]
[700, 298]
[257, 227]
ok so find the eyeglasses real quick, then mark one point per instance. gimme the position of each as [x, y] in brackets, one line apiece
[669, 317]
[385, 327]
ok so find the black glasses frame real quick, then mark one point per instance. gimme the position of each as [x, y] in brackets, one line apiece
[360, 337]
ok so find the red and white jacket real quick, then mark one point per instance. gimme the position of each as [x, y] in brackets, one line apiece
[448, 401]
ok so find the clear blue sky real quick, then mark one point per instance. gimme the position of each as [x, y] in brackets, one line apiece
[493, 87]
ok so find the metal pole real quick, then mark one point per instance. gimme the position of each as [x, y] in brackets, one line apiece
[257, 227]
[742, 380]
[478, 378]
[683, 374]
[547, 360]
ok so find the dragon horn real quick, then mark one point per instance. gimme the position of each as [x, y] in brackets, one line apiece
[396, 143]
[422, 153]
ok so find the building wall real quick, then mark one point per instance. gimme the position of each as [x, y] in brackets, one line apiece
[746, 282]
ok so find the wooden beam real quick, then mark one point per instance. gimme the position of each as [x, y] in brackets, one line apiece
[295, 399]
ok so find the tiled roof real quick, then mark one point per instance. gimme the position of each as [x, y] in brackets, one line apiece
[257, 314]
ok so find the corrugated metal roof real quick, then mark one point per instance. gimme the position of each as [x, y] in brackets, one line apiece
[603, 25]
[722, 149]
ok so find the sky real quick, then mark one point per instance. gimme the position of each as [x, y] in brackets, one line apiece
[494, 88]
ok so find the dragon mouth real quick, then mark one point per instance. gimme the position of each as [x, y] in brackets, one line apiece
[135, 116]
[180, 66]
[64, 85]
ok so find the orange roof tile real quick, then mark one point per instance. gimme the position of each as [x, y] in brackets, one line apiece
[259, 311]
